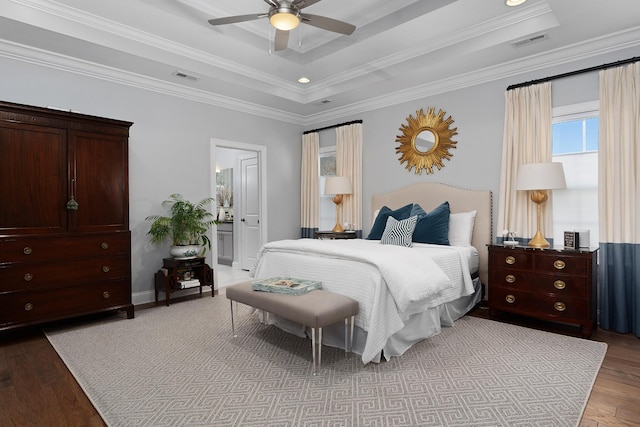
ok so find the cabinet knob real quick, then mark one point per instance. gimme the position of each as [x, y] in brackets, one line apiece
[105, 268]
[104, 245]
[28, 277]
[510, 299]
[510, 278]
[559, 284]
[106, 295]
[559, 264]
[510, 260]
[560, 306]
[28, 307]
[27, 250]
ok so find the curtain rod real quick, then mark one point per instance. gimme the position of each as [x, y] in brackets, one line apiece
[333, 126]
[573, 73]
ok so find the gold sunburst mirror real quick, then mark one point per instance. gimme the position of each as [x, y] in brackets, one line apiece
[426, 140]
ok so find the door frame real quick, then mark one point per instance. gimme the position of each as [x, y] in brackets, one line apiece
[261, 150]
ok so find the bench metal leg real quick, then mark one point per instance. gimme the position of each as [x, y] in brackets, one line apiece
[348, 335]
[233, 326]
[316, 347]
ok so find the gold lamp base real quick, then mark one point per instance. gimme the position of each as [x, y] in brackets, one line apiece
[538, 241]
[337, 199]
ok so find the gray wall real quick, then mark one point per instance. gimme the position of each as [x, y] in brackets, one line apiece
[170, 142]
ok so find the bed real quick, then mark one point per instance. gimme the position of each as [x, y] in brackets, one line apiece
[398, 308]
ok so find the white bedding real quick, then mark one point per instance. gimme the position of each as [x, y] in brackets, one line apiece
[375, 275]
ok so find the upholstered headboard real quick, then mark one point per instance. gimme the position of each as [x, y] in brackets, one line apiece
[429, 195]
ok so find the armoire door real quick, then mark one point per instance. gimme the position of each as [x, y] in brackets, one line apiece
[98, 171]
[33, 191]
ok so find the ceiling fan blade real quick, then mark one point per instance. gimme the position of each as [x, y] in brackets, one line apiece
[328, 24]
[272, 3]
[234, 19]
[301, 4]
[281, 40]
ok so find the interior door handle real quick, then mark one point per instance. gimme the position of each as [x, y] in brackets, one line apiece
[242, 220]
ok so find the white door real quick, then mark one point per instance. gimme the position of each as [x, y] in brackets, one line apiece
[250, 227]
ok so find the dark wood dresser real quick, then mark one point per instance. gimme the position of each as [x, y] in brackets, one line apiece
[546, 284]
[65, 244]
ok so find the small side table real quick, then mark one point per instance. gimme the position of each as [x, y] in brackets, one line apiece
[175, 275]
[335, 235]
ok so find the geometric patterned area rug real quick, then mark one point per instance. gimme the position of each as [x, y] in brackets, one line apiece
[180, 366]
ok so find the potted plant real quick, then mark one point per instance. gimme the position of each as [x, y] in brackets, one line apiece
[186, 226]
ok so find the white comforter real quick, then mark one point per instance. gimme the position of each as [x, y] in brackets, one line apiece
[390, 282]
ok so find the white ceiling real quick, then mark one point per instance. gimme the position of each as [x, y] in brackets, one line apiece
[401, 49]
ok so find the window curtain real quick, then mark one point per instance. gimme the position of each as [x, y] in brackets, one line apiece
[309, 186]
[619, 205]
[527, 139]
[349, 163]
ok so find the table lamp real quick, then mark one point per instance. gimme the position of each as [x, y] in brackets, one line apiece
[538, 178]
[337, 186]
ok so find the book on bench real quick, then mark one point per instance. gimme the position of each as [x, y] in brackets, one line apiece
[286, 285]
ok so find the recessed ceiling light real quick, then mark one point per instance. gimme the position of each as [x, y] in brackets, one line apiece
[303, 80]
[514, 2]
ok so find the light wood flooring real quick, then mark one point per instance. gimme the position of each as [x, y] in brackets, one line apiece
[36, 389]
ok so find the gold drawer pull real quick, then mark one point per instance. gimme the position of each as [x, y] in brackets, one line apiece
[28, 307]
[559, 264]
[510, 299]
[28, 277]
[104, 245]
[105, 268]
[560, 306]
[510, 260]
[27, 250]
[559, 284]
[106, 295]
[510, 278]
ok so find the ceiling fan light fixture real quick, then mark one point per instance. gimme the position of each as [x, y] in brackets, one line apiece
[284, 20]
[514, 2]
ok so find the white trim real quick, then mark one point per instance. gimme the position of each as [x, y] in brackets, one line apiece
[565, 113]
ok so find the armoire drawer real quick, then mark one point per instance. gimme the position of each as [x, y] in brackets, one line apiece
[39, 306]
[36, 248]
[24, 276]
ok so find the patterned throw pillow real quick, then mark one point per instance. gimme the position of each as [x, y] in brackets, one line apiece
[399, 233]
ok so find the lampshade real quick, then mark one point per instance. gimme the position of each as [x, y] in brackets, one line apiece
[337, 185]
[284, 21]
[541, 176]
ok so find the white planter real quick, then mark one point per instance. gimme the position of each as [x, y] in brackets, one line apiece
[184, 252]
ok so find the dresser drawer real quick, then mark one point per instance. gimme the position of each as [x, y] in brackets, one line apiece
[556, 308]
[25, 276]
[558, 263]
[540, 283]
[30, 249]
[521, 260]
[38, 306]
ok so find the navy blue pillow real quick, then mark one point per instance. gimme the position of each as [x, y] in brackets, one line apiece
[433, 227]
[381, 220]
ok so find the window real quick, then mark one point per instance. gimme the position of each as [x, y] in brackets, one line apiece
[575, 145]
[327, 210]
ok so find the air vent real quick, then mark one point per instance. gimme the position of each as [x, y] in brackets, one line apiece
[529, 40]
[185, 76]
[323, 102]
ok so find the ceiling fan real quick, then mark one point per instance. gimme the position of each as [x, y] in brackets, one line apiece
[286, 15]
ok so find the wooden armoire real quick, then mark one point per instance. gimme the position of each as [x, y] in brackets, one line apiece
[65, 244]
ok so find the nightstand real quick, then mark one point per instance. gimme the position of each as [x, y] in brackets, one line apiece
[546, 284]
[335, 235]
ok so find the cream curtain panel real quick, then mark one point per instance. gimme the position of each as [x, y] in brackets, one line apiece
[527, 139]
[309, 185]
[349, 163]
[619, 201]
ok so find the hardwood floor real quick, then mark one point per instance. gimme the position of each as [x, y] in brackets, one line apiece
[36, 389]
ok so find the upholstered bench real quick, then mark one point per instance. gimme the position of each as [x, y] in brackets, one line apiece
[315, 309]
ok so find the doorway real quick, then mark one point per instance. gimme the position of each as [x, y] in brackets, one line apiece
[246, 214]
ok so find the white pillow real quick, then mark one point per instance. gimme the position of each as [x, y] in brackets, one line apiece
[461, 228]
[399, 233]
